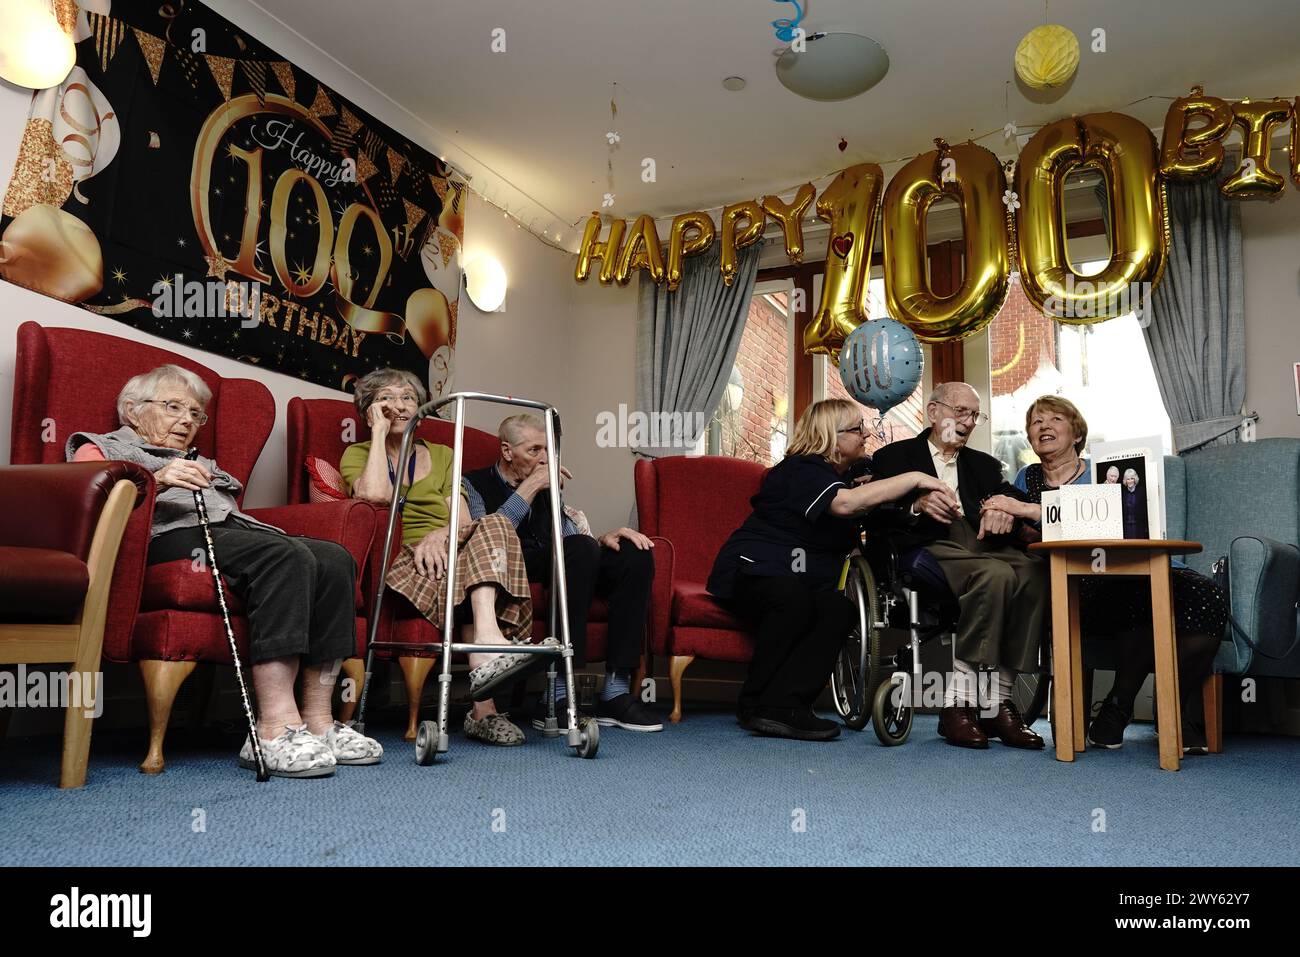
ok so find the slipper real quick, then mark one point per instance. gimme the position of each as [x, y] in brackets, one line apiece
[486, 680]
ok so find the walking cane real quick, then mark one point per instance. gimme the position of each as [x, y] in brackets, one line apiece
[263, 775]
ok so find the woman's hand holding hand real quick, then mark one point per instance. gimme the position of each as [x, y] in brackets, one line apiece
[183, 473]
[1005, 503]
[938, 502]
[431, 553]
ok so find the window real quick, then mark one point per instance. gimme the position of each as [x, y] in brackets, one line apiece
[1103, 368]
[753, 419]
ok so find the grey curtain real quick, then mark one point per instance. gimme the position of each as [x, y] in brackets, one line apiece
[686, 344]
[1197, 333]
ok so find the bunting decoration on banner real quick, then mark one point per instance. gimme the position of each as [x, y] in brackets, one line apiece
[395, 162]
[132, 198]
[108, 34]
[152, 48]
[65, 12]
[322, 106]
[223, 71]
[255, 72]
[284, 73]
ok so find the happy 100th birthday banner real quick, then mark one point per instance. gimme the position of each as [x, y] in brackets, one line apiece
[189, 182]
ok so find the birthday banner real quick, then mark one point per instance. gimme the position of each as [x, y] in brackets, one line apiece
[189, 182]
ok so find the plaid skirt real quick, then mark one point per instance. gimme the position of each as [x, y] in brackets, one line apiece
[488, 554]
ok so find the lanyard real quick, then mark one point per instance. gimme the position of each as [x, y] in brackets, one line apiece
[410, 476]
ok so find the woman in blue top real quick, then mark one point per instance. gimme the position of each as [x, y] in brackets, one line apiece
[1121, 607]
[780, 568]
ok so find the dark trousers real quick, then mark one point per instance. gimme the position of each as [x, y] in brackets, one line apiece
[800, 629]
[622, 578]
[299, 593]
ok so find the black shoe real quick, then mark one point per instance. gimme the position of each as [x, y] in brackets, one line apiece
[744, 715]
[797, 723]
[626, 711]
[1108, 724]
[1194, 741]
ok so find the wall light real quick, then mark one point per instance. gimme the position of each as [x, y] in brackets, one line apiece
[485, 281]
[34, 50]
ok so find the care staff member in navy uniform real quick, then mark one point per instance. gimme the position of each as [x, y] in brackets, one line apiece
[779, 570]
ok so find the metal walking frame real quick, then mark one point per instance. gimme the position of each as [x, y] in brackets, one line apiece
[431, 739]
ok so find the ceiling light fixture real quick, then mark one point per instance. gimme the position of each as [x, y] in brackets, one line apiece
[34, 51]
[734, 83]
[833, 66]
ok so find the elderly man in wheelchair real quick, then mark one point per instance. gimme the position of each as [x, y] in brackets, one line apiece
[938, 567]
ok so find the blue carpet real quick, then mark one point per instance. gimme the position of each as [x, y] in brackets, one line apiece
[700, 793]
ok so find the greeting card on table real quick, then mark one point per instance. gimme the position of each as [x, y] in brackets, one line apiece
[1137, 468]
[1080, 512]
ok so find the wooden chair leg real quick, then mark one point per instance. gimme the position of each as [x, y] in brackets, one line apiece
[354, 671]
[677, 666]
[414, 671]
[1212, 702]
[162, 679]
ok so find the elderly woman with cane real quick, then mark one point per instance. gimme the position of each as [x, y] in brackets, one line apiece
[298, 591]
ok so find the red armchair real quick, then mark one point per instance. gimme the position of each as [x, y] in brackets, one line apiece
[163, 616]
[60, 530]
[323, 428]
[695, 504]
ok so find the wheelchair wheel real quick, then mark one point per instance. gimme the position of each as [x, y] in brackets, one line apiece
[590, 741]
[1029, 693]
[857, 669]
[891, 724]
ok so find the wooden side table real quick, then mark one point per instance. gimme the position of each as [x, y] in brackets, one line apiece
[1133, 557]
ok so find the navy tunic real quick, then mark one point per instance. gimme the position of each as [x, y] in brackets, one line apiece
[791, 530]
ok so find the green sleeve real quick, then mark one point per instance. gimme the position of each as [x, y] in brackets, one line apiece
[353, 462]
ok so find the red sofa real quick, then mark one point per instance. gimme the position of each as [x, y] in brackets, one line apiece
[318, 427]
[695, 504]
[164, 617]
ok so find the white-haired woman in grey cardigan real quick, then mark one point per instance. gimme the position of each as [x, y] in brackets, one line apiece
[298, 591]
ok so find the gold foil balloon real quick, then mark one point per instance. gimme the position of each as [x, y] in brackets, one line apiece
[679, 247]
[973, 176]
[1295, 141]
[1125, 152]
[735, 238]
[1187, 154]
[593, 248]
[52, 252]
[1047, 56]
[1254, 178]
[790, 216]
[849, 204]
[428, 320]
[641, 251]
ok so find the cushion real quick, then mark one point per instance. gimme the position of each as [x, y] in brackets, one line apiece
[41, 585]
[183, 586]
[327, 483]
[693, 605]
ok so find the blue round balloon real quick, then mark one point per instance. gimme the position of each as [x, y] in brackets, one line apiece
[881, 363]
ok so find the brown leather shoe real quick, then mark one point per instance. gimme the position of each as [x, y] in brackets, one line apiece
[959, 726]
[1010, 728]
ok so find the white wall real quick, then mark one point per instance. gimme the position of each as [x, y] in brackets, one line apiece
[1270, 247]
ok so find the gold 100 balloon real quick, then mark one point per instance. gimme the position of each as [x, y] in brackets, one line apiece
[1026, 222]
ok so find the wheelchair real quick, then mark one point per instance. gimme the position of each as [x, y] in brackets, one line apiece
[903, 601]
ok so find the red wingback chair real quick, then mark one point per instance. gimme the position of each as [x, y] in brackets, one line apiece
[316, 427]
[164, 616]
[695, 504]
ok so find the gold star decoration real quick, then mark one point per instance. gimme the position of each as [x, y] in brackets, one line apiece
[166, 281]
[301, 274]
[119, 275]
[217, 266]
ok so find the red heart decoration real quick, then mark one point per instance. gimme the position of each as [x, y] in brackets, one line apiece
[842, 244]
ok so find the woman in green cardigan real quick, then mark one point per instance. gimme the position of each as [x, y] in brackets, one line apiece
[490, 575]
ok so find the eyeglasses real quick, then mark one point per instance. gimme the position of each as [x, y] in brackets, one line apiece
[407, 398]
[178, 409]
[857, 428]
[974, 415]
